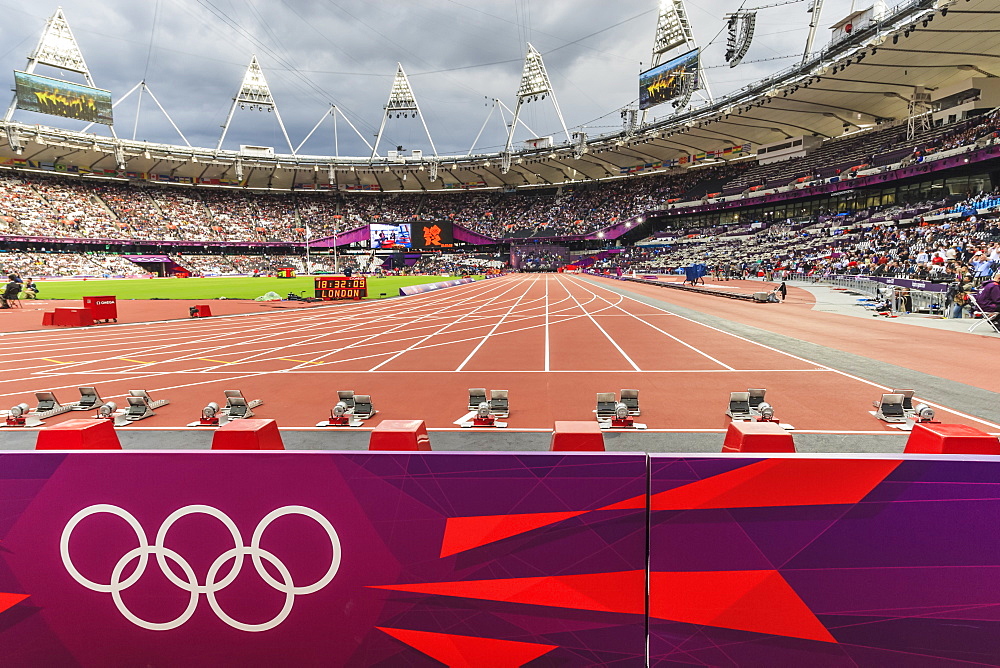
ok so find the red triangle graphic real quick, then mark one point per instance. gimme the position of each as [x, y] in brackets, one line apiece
[605, 592]
[10, 600]
[468, 651]
[781, 482]
[465, 533]
[758, 601]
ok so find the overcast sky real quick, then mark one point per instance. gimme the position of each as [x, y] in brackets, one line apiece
[459, 55]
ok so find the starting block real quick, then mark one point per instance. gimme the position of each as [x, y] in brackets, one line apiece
[141, 405]
[340, 416]
[890, 408]
[211, 416]
[89, 399]
[622, 419]
[237, 407]
[483, 418]
[497, 403]
[49, 406]
[19, 416]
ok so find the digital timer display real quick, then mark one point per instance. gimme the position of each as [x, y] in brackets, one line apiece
[341, 287]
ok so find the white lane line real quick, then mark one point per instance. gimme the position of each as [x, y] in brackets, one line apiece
[442, 329]
[499, 322]
[666, 333]
[598, 326]
[465, 418]
[547, 322]
[802, 359]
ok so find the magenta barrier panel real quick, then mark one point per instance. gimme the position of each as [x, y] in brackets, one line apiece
[318, 558]
[799, 561]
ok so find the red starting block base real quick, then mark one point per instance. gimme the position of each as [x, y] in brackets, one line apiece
[340, 421]
[202, 311]
[208, 422]
[757, 437]
[248, 434]
[79, 435]
[951, 439]
[571, 436]
[483, 421]
[400, 435]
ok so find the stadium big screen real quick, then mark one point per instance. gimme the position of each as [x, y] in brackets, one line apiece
[433, 235]
[62, 98]
[390, 235]
[665, 82]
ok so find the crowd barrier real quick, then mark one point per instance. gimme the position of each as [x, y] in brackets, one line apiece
[924, 295]
[395, 558]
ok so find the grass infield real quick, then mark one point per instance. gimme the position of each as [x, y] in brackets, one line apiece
[230, 287]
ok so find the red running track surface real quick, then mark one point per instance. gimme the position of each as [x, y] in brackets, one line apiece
[553, 341]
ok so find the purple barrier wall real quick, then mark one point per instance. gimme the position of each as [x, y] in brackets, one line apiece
[427, 287]
[313, 558]
[824, 562]
[470, 237]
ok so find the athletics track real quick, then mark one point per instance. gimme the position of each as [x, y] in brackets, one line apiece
[552, 340]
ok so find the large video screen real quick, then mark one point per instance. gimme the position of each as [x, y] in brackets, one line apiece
[665, 82]
[390, 235]
[431, 235]
[62, 98]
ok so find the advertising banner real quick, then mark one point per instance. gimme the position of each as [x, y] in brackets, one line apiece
[62, 98]
[322, 559]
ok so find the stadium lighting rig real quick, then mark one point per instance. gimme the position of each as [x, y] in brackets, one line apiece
[255, 93]
[535, 85]
[402, 102]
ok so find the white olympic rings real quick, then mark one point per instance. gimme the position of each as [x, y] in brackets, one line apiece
[189, 582]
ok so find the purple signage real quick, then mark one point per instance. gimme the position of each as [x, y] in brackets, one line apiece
[824, 562]
[313, 558]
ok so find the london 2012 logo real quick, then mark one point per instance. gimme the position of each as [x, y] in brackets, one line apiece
[189, 583]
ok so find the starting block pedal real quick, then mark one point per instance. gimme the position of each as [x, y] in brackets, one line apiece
[89, 400]
[890, 408]
[340, 416]
[19, 416]
[237, 407]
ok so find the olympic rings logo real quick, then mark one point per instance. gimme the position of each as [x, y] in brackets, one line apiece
[190, 582]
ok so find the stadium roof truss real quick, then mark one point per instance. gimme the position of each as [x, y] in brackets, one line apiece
[866, 78]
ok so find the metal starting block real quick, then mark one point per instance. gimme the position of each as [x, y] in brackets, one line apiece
[110, 411]
[237, 407]
[141, 405]
[211, 416]
[341, 416]
[739, 406]
[18, 416]
[49, 406]
[620, 420]
[89, 399]
[890, 408]
[482, 418]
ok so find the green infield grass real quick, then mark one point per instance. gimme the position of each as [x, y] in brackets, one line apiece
[235, 287]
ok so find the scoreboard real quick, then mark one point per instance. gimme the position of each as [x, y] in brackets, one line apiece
[341, 287]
